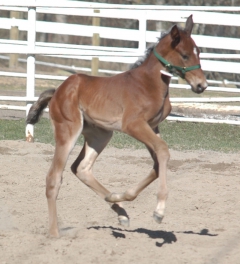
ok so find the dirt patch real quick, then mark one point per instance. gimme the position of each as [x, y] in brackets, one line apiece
[201, 224]
[221, 111]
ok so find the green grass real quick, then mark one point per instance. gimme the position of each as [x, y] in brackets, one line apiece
[180, 136]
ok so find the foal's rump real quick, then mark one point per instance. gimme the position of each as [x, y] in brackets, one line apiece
[60, 100]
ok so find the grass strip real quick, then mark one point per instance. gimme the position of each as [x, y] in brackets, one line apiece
[178, 135]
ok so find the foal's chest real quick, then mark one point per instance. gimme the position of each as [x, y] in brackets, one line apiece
[162, 112]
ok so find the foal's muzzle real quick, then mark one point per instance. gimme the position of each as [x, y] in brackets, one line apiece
[199, 88]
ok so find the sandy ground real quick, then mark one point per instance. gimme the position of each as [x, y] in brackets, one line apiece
[201, 224]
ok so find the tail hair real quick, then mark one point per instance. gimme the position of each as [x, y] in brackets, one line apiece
[37, 108]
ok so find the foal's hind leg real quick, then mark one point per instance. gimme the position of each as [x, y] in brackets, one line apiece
[95, 141]
[66, 135]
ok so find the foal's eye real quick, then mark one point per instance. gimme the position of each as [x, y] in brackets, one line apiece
[185, 57]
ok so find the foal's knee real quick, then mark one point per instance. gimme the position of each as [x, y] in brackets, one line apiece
[162, 152]
[130, 195]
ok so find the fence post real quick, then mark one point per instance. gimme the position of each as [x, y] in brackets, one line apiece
[142, 31]
[14, 35]
[30, 66]
[95, 42]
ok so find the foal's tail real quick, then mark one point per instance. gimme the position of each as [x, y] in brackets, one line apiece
[37, 108]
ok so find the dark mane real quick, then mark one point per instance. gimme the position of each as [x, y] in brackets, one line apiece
[149, 50]
[143, 58]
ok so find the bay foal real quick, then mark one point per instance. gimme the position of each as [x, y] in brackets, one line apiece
[133, 102]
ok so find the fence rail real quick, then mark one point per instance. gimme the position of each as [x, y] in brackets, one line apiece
[91, 5]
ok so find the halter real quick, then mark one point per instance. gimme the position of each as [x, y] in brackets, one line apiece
[171, 67]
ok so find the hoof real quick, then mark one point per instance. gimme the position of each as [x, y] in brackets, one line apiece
[158, 217]
[123, 221]
[54, 235]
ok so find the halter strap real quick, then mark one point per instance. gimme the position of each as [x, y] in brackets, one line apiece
[171, 67]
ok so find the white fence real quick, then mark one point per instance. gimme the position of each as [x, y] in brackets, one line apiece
[142, 13]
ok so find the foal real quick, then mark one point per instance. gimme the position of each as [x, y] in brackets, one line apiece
[133, 102]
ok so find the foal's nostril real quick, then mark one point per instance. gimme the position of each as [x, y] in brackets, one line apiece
[199, 88]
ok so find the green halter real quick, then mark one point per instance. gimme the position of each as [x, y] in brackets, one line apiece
[171, 67]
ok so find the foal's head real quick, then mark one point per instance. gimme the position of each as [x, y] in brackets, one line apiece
[181, 52]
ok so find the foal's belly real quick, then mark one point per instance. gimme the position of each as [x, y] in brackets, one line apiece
[112, 123]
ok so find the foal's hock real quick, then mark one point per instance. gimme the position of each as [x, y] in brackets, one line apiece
[133, 102]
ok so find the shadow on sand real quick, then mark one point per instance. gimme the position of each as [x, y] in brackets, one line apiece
[167, 237]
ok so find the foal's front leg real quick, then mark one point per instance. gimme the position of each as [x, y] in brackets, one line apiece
[160, 154]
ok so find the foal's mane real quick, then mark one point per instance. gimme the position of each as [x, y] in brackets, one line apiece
[150, 49]
[143, 58]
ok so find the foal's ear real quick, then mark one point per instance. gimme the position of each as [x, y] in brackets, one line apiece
[175, 34]
[189, 25]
